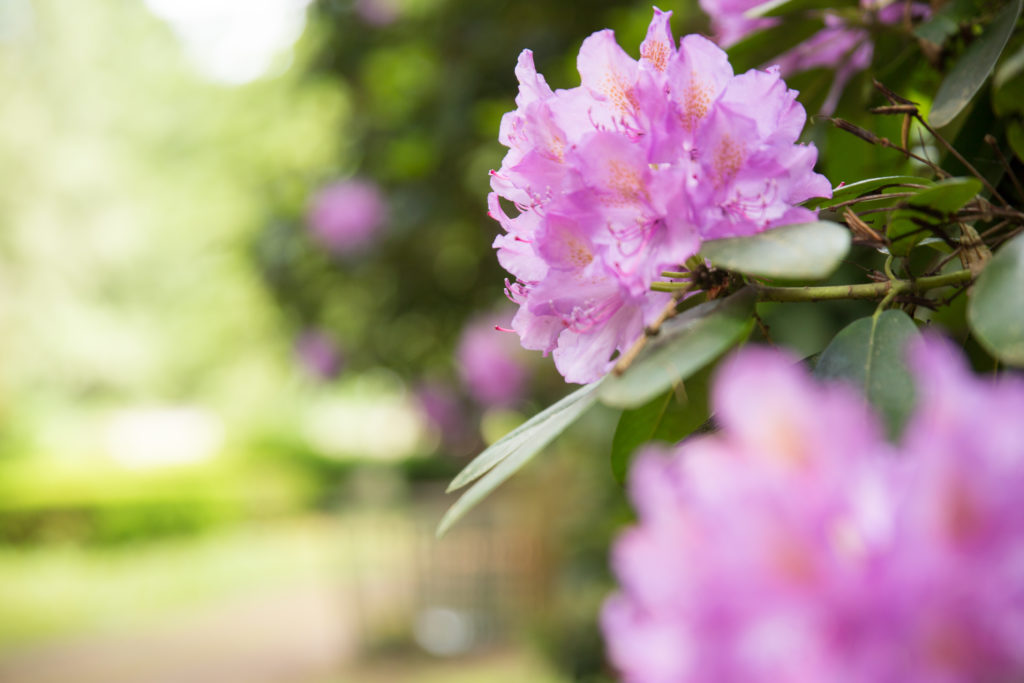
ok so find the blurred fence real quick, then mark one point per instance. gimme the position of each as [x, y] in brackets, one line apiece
[469, 590]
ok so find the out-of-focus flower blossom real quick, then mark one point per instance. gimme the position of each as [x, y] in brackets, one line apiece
[378, 12]
[491, 364]
[318, 354]
[346, 216]
[798, 545]
[846, 49]
[440, 406]
[623, 176]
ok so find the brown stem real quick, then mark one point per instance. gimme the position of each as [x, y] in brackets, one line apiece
[959, 157]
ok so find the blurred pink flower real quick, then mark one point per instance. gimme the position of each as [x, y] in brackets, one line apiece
[440, 406]
[491, 364]
[318, 354]
[622, 177]
[798, 545]
[346, 216]
[378, 12]
[839, 46]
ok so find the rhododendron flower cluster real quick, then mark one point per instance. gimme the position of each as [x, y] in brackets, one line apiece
[798, 545]
[847, 49]
[346, 216]
[622, 177]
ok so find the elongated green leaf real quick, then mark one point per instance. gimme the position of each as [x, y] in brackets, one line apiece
[843, 193]
[807, 251]
[508, 455]
[533, 434]
[666, 418]
[870, 353]
[974, 67]
[686, 344]
[994, 309]
[946, 197]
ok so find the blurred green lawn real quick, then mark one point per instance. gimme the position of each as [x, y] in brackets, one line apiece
[53, 590]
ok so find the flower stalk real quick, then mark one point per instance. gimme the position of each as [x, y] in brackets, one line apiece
[872, 290]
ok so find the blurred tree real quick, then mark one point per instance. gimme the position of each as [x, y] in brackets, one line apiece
[130, 189]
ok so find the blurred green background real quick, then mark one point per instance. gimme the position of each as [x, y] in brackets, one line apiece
[184, 493]
[223, 443]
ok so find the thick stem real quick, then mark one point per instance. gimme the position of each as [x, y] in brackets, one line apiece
[873, 290]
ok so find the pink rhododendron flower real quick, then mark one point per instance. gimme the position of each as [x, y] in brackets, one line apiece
[839, 46]
[346, 215]
[623, 176]
[798, 545]
[491, 364]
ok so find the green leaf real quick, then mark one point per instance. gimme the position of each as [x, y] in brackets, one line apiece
[549, 422]
[937, 29]
[666, 418]
[1011, 67]
[764, 45]
[946, 197]
[508, 455]
[1015, 136]
[862, 187]
[777, 8]
[994, 310]
[870, 353]
[686, 343]
[974, 67]
[806, 251]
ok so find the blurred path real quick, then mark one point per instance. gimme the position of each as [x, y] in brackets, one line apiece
[295, 634]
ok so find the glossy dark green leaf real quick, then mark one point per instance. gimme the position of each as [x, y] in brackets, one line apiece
[947, 195]
[871, 354]
[974, 66]
[508, 455]
[893, 183]
[806, 251]
[994, 310]
[667, 418]
[686, 343]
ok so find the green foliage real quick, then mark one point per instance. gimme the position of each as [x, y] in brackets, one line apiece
[871, 354]
[508, 455]
[862, 188]
[994, 312]
[112, 506]
[667, 418]
[928, 211]
[684, 345]
[974, 66]
[806, 251]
